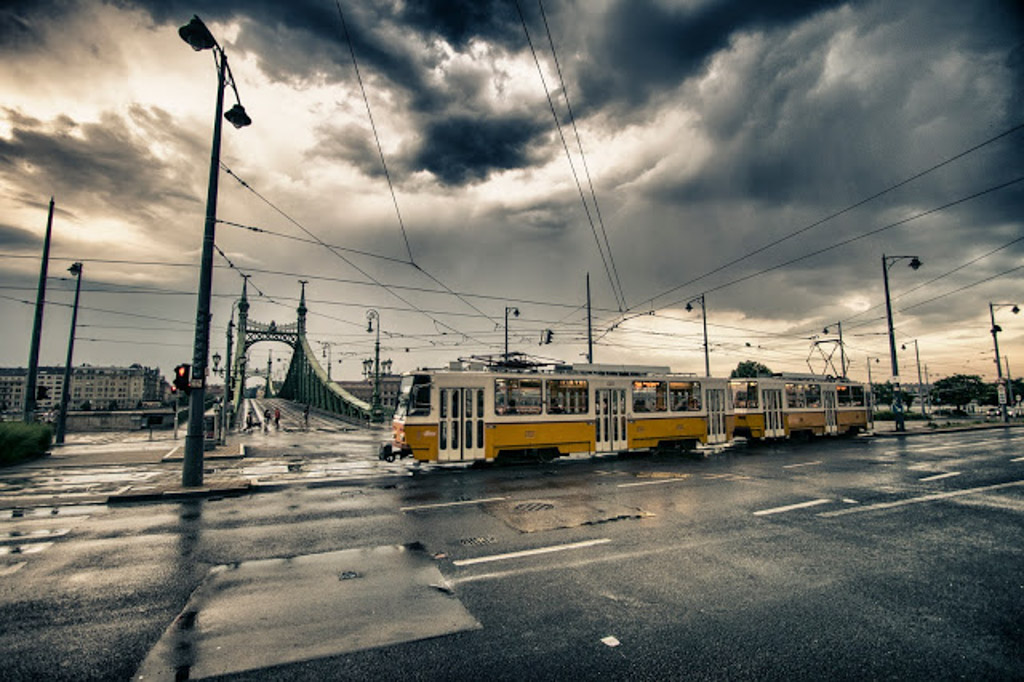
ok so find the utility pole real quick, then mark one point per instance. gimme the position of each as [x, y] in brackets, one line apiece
[65, 392]
[897, 399]
[1009, 381]
[29, 414]
[590, 329]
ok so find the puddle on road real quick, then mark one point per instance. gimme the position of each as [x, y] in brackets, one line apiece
[257, 614]
[531, 516]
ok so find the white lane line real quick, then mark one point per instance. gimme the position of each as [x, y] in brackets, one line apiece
[803, 464]
[660, 481]
[460, 503]
[1017, 459]
[13, 568]
[938, 477]
[791, 507]
[923, 498]
[530, 552]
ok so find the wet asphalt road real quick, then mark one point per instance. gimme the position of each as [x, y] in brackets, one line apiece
[868, 558]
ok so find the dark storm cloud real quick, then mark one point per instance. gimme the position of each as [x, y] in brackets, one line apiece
[460, 21]
[17, 239]
[462, 149]
[647, 46]
[105, 163]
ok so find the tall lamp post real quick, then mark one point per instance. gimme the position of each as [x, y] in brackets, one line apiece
[65, 393]
[897, 400]
[870, 398]
[515, 313]
[1001, 386]
[198, 36]
[376, 412]
[704, 316]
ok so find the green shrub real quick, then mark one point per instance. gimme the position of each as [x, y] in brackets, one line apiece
[19, 441]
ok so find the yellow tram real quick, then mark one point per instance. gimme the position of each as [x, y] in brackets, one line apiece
[469, 413]
[791, 405]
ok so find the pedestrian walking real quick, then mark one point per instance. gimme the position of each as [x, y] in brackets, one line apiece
[266, 420]
[305, 417]
[277, 418]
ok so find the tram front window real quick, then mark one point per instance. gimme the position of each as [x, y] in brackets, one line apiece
[414, 396]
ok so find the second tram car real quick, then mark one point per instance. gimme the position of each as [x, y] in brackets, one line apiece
[794, 405]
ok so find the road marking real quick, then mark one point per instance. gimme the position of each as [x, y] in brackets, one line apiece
[530, 552]
[659, 481]
[916, 500]
[791, 507]
[937, 477]
[1017, 459]
[13, 568]
[803, 464]
[34, 548]
[441, 505]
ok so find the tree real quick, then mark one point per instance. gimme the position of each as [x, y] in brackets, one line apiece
[883, 395]
[750, 368]
[959, 390]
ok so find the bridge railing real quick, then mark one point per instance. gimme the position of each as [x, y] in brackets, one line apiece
[307, 383]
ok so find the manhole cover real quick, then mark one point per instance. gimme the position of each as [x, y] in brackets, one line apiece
[476, 542]
[533, 506]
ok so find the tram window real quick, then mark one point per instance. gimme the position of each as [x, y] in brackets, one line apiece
[744, 394]
[480, 404]
[567, 396]
[517, 396]
[794, 395]
[843, 396]
[857, 396]
[443, 444]
[444, 403]
[414, 396]
[812, 395]
[649, 396]
[684, 396]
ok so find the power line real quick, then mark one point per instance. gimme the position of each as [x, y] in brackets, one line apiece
[838, 213]
[619, 298]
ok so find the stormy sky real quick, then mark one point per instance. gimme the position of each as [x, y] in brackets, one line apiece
[440, 161]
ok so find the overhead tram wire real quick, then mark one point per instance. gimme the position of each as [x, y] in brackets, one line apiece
[292, 237]
[373, 125]
[388, 288]
[619, 298]
[863, 235]
[583, 156]
[838, 213]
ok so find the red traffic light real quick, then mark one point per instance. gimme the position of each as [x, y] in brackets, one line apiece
[182, 378]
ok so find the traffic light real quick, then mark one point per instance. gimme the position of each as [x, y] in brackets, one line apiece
[182, 378]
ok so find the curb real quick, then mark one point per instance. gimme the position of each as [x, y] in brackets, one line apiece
[951, 429]
[224, 488]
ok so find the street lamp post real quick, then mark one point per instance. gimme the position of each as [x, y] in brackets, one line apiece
[376, 413]
[198, 36]
[897, 400]
[1001, 385]
[870, 399]
[1009, 382]
[515, 312]
[229, 342]
[325, 348]
[65, 392]
[704, 317]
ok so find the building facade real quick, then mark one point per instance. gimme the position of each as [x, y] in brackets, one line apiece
[389, 385]
[96, 388]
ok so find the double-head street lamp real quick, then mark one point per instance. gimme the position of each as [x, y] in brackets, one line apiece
[198, 36]
[704, 316]
[515, 313]
[897, 400]
[65, 393]
[376, 411]
[1001, 386]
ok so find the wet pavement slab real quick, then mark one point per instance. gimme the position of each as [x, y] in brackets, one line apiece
[257, 614]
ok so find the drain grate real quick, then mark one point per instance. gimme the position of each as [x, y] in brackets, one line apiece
[477, 542]
[533, 506]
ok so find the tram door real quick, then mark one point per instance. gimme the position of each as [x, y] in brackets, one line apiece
[610, 427]
[460, 433]
[715, 400]
[828, 399]
[774, 426]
